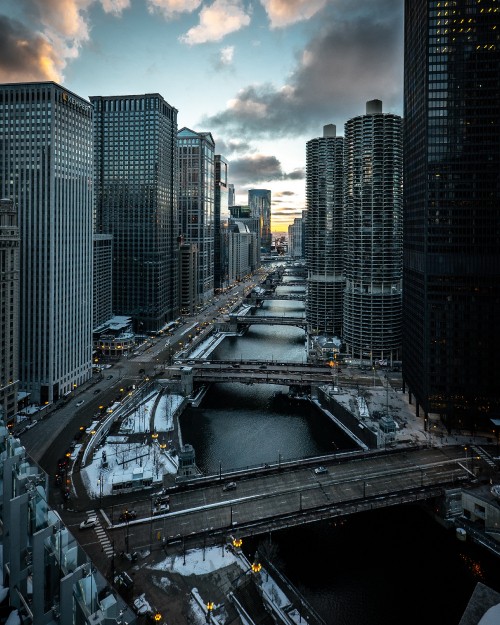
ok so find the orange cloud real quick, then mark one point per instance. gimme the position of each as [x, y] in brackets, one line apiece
[26, 55]
[282, 13]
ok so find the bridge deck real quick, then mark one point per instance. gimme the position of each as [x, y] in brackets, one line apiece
[292, 493]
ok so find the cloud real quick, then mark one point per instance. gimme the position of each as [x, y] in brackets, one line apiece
[345, 64]
[226, 55]
[224, 59]
[216, 21]
[41, 52]
[231, 146]
[259, 168]
[171, 8]
[26, 55]
[285, 12]
[115, 7]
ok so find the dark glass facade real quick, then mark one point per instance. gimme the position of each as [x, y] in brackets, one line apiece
[136, 193]
[451, 297]
[196, 203]
[221, 216]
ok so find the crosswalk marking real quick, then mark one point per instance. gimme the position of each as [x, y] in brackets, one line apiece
[485, 456]
[107, 547]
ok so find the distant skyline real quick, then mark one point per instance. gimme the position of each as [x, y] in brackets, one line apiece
[263, 76]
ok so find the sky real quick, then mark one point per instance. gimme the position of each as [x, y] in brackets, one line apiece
[263, 76]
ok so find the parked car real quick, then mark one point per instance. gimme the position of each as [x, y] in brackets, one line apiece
[89, 522]
[141, 605]
[128, 515]
[229, 486]
[320, 470]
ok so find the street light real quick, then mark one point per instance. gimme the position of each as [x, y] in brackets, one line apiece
[237, 542]
[210, 607]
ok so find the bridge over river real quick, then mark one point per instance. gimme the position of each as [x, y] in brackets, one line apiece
[268, 498]
[252, 372]
[237, 321]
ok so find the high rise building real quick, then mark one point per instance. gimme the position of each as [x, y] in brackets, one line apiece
[373, 208]
[9, 309]
[323, 228]
[136, 201]
[451, 335]
[242, 250]
[46, 168]
[221, 216]
[103, 279]
[231, 199]
[196, 202]
[188, 277]
[295, 234]
[259, 201]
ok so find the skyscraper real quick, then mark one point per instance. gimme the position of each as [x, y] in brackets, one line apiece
[323, 230]
[9, 308]
[136, 201]
[46, 168]
[373, 208]
[259, 201]
[196, 202]
[451, 335]
[221, 216]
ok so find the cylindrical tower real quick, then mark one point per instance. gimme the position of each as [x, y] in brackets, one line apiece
[324, 197]
[373, 234]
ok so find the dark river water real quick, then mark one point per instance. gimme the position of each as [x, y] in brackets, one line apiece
[391, 567]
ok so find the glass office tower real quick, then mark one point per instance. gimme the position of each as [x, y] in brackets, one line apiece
[451, 337]
[136, 195]
[196, 203]
[323, 232]
[221, 217]
[373, 208]
[46, 169]
[259, 201]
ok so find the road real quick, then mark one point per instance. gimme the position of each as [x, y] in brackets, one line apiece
[53, 434]
[292, 493]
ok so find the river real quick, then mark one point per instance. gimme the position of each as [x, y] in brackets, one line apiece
[387, 567]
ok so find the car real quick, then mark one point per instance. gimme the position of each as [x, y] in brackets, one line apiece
[79, 403]
[128, 515]
[320, 470]
[110, 377]
[161, 508]
[97, 390]
[89, 522]
[229, 486]
[141, 605]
